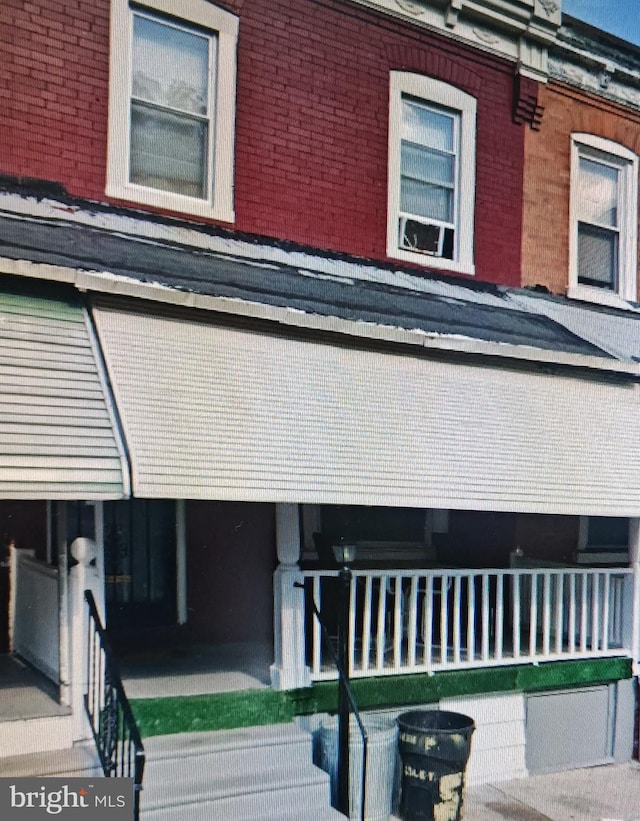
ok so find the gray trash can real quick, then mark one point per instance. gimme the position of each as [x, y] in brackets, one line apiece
[382, 755]
[434, 747]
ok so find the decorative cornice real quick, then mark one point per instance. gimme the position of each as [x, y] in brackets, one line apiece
[584, 58]
[531, 34]
[518, 30]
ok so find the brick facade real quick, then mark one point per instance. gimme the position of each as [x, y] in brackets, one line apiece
[545, 237]
[311, 119]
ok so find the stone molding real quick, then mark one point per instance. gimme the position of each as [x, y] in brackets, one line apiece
[600, 65]
[518, 30]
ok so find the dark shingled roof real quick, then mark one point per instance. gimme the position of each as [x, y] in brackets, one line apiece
[476, 310]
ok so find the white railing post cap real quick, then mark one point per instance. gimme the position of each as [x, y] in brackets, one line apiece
[83, 550]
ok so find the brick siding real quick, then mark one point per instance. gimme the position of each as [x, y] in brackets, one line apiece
[311, 120]
[545, 237]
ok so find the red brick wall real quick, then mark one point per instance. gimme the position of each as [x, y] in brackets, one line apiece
[312, 113]
[54, 66]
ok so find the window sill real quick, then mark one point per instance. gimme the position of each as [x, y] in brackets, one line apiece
[586, 293]
[433, 263]
[170, 202]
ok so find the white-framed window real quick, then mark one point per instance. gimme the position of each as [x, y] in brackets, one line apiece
[172, 106]
[431, 178]
[603, 220]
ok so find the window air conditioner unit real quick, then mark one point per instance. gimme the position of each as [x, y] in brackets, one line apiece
[421, 237]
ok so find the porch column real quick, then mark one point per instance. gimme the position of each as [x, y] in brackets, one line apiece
[82, 576]
[289, 670]
[634, 563]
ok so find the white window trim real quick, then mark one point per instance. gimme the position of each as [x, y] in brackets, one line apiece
[219, 204]
[627, 161]
[446, 96]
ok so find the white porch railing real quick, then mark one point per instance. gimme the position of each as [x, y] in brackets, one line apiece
[34, 622]
[429, 620]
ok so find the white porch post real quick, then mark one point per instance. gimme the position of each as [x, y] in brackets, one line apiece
[82, 576]
[634, 563]
[289, 670]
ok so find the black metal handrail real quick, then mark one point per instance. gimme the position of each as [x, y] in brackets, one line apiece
[112, 722]
[343, 681]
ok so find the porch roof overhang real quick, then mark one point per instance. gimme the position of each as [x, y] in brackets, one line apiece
[242, 411]
[58, 438]
[263, 371]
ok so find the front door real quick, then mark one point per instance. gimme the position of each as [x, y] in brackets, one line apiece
[140, 563]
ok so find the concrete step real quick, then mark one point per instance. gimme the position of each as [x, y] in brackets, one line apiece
[240, 775]
[261, 739]
[293, 804]
[21, 736]
[80, 760]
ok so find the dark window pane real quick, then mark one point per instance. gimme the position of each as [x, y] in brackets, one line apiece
[607, 531]
[597, 257]
[372, 523]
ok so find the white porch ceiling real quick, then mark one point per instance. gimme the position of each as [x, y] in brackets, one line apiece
[213, 412]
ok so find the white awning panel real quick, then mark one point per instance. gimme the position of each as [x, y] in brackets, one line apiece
[219, 413]
[57, 435]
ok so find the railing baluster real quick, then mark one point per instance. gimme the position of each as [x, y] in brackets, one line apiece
[615, 633]
[533, 617]
[413, 621]
[485, 601]
[397, 622]
[595, 612]
[471, 618]
[605, 612]
[515, 586]
[427, 626]
[583, 612]
[101, 686]
[444, 618]
[456, 619]
[499, 625]
[381, 627]
[559, 607]
[572, 613]
[546, 614]
[121, 735]
[366, 623]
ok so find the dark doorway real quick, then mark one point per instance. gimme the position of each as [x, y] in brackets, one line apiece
[140, 563]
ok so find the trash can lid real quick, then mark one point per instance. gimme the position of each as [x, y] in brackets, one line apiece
[441, 720]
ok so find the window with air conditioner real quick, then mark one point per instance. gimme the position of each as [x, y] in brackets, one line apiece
[171, 106]
[603, 214]
[431, 173]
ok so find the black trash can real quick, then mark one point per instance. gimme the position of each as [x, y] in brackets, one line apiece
[434, 747]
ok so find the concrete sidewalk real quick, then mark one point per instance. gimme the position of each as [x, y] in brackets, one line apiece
[607, 793]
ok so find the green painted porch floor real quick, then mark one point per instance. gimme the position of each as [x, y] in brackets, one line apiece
[253, 707]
